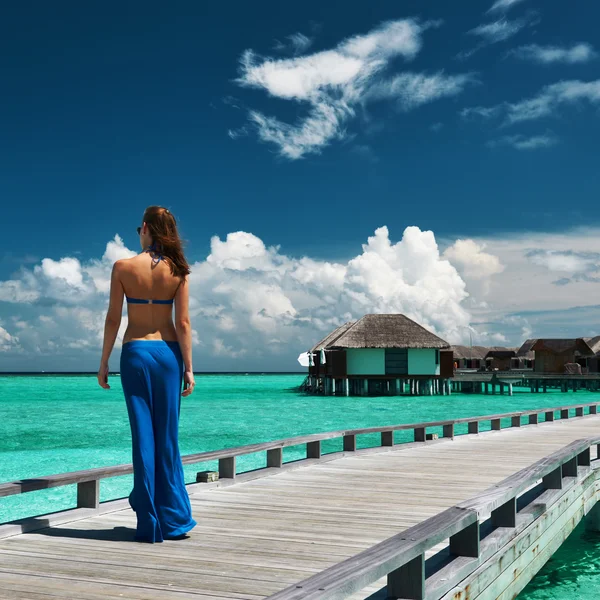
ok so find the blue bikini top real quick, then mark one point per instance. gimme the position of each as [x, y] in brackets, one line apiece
[156, 258]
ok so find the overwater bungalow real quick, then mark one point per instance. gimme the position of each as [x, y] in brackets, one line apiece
[469, 357]
[551, 355]
[499, 358]
[380, 354]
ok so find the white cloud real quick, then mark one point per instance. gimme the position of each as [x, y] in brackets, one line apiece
[252, 302]
[522, 142]
[8, 342]
[296, 43]
[503, 5]
[498, 31]
[413, 89]
[578, 53]
[254, 307]
[331, 84]
[544, 104]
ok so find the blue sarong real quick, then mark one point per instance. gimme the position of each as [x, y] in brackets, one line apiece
[152, 376]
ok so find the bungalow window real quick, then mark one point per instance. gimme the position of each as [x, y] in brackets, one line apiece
[437, 357]
[396, 361]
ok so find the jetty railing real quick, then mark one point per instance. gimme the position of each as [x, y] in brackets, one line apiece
[402, 557]
[88, 481]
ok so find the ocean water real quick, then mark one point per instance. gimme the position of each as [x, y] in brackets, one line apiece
[53, 424]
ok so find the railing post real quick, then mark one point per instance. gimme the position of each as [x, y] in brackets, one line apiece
[593, 409]
[553, 481]
[449, 431]
[569, 469]
[549, 415]
[275, 457]
[313, 449]
[466, 542]
[408, 581]
[579, 411]
[419, 434]
[88, 494]
[515, 422]
[474, 427]
[387, 438]
[506, 514]
[564, 413]
[227, 468]
[533, 419]
[349, 443]
[496, 425]
[584, 458]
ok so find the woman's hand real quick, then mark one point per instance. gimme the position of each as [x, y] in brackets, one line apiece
[103, 376]
[189, 383]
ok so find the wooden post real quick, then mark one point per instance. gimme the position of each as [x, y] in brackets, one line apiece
[486, 388]
[275, 457]
[569, 469]
[533, 419]
[227, 468]
[510, 390]
[474, 427]
[313, 449]
[584, 459]
[593, 409]
[544, 387]
[408, 581]
[506, 514]
[449, 430]
[496, 425]
[549, 415]
[420, 434]
[502, 389]
[333, 386]
[516, 422]
[387, 438]
[347, 386]
[553, 481]
[88, 494]
[579, 411]
[564, 413]
[349, 443]
[466, 542]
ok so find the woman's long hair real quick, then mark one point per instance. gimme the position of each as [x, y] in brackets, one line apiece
[163, 229]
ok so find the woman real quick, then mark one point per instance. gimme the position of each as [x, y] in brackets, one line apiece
[156, 355]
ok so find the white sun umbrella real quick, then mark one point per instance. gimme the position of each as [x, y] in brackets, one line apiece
[305, 359]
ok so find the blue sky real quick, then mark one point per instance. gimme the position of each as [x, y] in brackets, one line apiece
[283, 137]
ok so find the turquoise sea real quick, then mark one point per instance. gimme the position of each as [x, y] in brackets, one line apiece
[55, 423]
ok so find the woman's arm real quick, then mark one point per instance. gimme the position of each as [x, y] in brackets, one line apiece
[183, 327]
[112, 323]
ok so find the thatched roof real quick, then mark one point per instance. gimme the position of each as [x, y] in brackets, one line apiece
[593, 343]
[331, 337]
[526, 349]
[499, 352]
[383, 331]
[559, 345]
[468, 352]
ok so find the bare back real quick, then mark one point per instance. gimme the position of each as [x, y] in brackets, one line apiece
[143, 278]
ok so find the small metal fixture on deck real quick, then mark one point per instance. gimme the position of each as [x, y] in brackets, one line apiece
[207, 476]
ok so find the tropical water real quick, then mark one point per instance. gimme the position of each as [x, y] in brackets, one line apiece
[54, 423]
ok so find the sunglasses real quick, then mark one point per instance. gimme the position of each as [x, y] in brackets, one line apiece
[138, 230]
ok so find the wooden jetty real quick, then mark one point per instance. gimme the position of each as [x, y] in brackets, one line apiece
[469, 508]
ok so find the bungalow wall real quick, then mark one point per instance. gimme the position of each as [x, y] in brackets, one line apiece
[392, 361]
[502, 364]
[552, 362]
